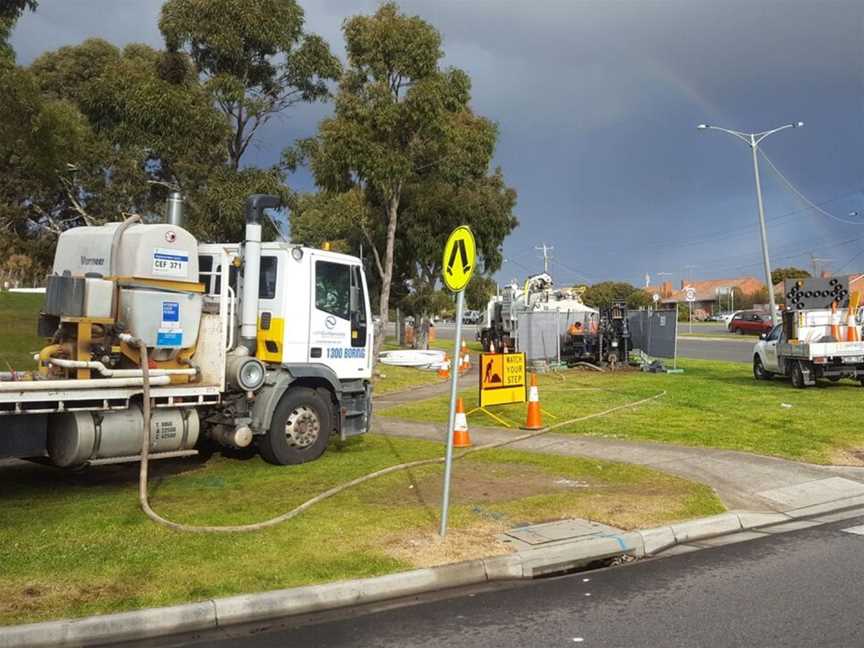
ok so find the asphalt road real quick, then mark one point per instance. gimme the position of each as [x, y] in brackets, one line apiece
[802, 588]
[702, 327]
[733, 350]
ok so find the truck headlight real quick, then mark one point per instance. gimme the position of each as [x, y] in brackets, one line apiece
[251, 375]
[245, 373]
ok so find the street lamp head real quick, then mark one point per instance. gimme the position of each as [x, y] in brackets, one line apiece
[702, 126]
[798, 124]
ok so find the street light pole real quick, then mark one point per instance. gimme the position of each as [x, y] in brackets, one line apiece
[761, 207]
[753, 140]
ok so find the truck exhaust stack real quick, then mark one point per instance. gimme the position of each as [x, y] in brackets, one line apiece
[174, 209]
[255, 206]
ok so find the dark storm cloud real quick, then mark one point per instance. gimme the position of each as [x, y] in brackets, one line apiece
[597, 104]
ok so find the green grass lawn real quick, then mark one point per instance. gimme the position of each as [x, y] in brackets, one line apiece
[447, 345]
[18, 340]
[389, 379]
[75, 543]
[712, 404]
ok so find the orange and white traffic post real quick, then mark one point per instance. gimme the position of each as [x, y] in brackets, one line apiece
[444, 368]
[534, 420]
[851, 326]
[461, 436]
[466, 357]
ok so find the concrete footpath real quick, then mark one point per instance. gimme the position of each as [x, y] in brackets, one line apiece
[741, 480]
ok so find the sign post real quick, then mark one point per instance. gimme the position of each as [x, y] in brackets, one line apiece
[691, 297]
[460, 256]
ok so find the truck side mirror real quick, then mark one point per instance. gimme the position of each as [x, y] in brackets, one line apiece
[763, 336]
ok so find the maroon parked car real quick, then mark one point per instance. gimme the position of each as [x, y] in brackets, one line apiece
[750, 321]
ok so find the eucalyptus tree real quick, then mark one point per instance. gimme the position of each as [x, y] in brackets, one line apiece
[255, 59]
[393, 110]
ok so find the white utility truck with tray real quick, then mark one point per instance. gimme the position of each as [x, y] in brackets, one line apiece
[820, 336]
[249, 343]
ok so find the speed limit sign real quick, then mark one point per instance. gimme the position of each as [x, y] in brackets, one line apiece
[691, 295]
[656, 297]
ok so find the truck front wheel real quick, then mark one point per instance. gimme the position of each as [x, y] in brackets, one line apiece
[300, 429]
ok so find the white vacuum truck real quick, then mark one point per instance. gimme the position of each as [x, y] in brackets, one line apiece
[254, 343]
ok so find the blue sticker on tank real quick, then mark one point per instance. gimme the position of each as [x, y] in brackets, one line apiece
[170, 311]
[169, 338]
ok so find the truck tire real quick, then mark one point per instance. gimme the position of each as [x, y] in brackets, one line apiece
[300, 429]
[797, 376]
[759, 371]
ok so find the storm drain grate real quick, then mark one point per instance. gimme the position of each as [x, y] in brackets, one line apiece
[538, 534]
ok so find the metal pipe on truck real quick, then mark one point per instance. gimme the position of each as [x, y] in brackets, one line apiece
[255, 206]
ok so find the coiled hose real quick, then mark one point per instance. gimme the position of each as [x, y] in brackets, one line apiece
[143, 497]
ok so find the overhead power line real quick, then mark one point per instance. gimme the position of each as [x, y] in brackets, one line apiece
[804, 198]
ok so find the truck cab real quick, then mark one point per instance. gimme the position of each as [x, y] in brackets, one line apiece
[313, 335]
[765, 361]
[313, 307]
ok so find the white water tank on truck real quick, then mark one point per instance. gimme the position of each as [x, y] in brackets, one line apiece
[156, 269]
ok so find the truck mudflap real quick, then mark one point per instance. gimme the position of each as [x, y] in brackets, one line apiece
[24, 436]
[807, 373]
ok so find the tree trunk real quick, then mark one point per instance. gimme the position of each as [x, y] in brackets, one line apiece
[384, 301]
[422, 333]
[400, 328]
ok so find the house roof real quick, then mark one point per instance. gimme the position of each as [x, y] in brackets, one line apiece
[707, 290]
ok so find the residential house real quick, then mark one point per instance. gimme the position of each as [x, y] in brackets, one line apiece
[706, 292]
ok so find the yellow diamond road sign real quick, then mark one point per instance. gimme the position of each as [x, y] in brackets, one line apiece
[460, 256]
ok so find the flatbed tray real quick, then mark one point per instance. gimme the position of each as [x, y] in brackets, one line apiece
[810, 350]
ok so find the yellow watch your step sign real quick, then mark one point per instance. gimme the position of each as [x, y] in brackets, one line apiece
[460, 257]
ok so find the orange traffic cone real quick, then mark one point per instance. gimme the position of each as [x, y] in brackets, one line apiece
[851, 327]
[533, 420]
[835, 321]
[466, 357]
[461, 437]
[444, 368]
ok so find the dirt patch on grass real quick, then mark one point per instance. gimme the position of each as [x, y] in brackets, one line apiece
[21, 601]
[427, 549]
[626, 508]
[476, 484]
[847, 457]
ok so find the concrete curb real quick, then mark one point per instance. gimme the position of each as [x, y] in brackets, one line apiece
[527, 564]
[660, 538]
